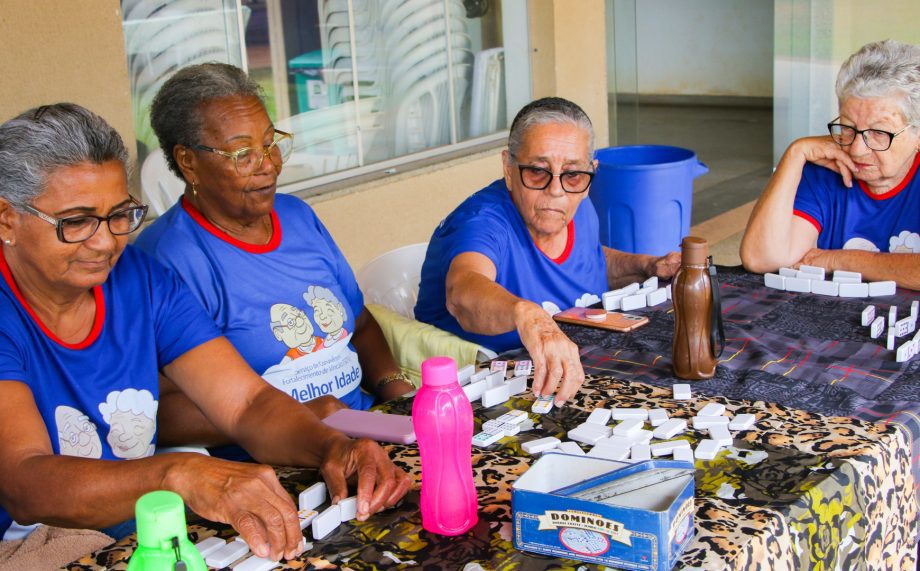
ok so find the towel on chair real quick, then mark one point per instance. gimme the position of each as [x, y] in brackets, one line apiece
[50, 548]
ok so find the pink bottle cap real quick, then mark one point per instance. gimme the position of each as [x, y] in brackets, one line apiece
[439, 371]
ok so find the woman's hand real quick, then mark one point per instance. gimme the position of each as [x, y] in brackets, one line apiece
[556, 362]
[246, 496]
[380, 483]
[823, 151]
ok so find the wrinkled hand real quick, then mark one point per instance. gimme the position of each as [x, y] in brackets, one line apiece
[380, 483]
[246, 496]
[664, 267]
[815, 257]
[555, 357]
[825, 152]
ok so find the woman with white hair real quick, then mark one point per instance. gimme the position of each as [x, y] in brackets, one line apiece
[851, 200]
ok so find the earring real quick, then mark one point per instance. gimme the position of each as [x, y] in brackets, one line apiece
[195, 189]
[8, 242]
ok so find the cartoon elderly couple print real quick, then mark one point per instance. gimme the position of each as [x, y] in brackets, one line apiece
[292, 327]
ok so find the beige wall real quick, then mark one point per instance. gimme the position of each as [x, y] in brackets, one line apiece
[53, 50]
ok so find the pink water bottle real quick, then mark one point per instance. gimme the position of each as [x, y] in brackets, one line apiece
[443, 421]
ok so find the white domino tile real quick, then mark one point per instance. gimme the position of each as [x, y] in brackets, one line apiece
[632, 302]
[774, 281]
[542, 405]
[845, 280]
[569, 447]
[668, 447]
[348, 508]
[868, 315]
[306, 517]
[640, 452]
[255, 564]
[312, 497]
[613, 301]
[657, 416]
[640, 437]
[496, 395]
[845, 274]
[877, 289]
[721, 435]
[742, 422]
[821, 287]
[540, 445]
[616, 453]
[327, 521]
[915, 308]
[464, 374]
[517, 385]
[681, 392]
[705, 422]
[630, 289]
[513, 417]
[210, 545]
[878, 325]
[892, 339]
[495, 379]
[628, 414]
[800, 285]
[854, 290]
[227, 554]
[474, 390]
[523, 368]
[788, 272]
[812, 270]
[712, 409]
[628, 427]
[684, 454]
[588, 433]
[651, 283]
[707, 449]
[902, 327]
[892, 314]
[656, 297]
[599, 416]
[670, 429]
[480, 376]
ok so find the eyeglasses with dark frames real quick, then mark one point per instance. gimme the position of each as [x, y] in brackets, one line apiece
[249, 159]
[539, 178]
[80, 228]
[875, 139]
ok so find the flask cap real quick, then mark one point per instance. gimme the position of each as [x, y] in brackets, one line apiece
[439, 371]
[694, 251]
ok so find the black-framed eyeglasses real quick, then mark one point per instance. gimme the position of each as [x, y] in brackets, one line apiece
[249, 159]
[539, 178]
[74, 229]
[875, 139]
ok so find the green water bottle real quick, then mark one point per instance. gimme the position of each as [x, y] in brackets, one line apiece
[162, 539]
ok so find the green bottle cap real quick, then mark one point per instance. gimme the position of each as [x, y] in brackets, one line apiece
[160, 517]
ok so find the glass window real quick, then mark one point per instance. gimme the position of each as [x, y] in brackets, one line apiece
[358, 82]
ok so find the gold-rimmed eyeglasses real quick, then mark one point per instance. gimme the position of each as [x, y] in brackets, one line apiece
[249, 159]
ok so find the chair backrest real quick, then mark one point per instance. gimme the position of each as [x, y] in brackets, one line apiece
[392, 279]
[160, 186]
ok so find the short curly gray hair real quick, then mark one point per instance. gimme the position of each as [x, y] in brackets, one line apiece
[887, 68]
[175, 114]
[43, 139]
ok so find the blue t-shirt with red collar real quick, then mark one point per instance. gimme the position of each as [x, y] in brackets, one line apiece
[289, 306]
[854, 218]
[489, 223]
[99, 398]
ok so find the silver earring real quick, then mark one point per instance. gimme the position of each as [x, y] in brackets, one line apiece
[8, 242]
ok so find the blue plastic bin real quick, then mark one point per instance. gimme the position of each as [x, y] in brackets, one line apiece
[643, 195]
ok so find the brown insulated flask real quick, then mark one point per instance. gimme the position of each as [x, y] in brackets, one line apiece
[692, 353]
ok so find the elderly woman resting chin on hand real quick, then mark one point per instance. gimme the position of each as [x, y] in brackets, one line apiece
[87, 323]
[850, 200]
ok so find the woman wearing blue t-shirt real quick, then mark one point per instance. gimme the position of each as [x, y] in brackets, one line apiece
[87, 322]
[263, 265]
[851, 200]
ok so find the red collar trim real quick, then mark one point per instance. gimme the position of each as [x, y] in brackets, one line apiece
[251, 248]
[901, 186]
[569, 242]
[97, 322]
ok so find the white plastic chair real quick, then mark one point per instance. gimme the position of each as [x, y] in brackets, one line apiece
[161, 188]
[392, 279]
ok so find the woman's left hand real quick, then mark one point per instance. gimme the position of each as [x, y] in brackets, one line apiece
[665, 267]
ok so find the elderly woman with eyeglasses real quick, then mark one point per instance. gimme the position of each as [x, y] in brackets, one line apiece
[262, 264]
[87, 323]
[526, 246]
[851, 200]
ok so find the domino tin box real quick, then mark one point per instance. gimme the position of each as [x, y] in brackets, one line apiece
[645, 529]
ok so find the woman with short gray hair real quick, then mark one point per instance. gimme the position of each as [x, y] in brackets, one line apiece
[87, 323]
[850, 200]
